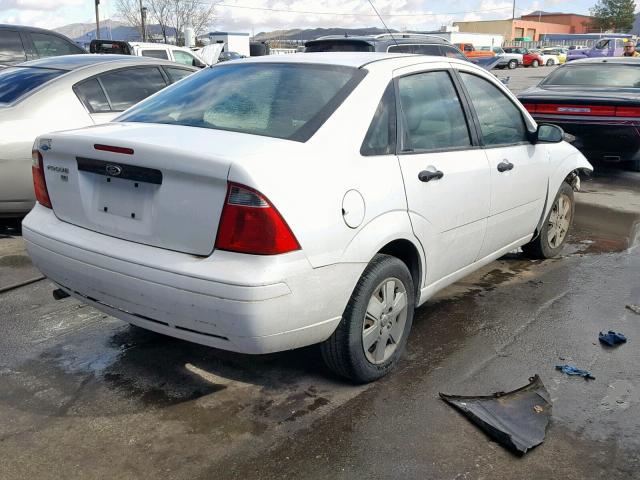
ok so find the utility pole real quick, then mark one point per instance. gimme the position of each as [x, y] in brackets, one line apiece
[97, 20]
[513, 14]
[143, 14]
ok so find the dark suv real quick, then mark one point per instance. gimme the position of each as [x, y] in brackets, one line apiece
[397, 43]
[19, 44]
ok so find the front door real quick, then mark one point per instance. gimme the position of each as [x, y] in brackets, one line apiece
[519, 169]
[446, 174]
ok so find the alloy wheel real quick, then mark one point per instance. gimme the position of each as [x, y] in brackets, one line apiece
[559, 221]
[384, 321]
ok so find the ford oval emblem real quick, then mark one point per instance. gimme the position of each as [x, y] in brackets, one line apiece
[113, 170]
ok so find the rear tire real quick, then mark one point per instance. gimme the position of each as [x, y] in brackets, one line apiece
[535, 64]
[556, 227]
[379, 315]
[550, 63]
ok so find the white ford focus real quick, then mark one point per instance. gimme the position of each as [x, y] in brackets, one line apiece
[271, 203]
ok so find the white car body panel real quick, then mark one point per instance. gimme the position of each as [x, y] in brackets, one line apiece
[160, 274]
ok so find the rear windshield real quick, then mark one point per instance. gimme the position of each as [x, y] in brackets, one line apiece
[596, 75]
[339, 46]
[288, 101]
[16, 82]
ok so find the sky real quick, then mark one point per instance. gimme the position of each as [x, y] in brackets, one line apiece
[254, 16]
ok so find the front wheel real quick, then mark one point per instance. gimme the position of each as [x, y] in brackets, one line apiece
[374, 328]
[512, 64]
[550, 62]
[555, 229]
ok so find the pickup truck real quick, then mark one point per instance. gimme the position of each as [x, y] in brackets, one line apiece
[470, 51]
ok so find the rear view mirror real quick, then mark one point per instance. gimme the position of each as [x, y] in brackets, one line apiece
[549, 133]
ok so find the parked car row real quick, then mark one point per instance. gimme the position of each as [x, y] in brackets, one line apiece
[511, 57]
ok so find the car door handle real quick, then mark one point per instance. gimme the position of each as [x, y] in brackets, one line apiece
[505, 166]
[428, 175]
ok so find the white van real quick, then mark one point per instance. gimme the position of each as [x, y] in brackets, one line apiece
[145, 49]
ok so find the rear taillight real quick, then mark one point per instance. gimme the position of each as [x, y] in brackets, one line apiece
[39, 183]
[251, 224]
[584, 110]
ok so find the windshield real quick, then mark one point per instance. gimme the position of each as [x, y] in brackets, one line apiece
[596, 75]
[16, 82]
[278, 100]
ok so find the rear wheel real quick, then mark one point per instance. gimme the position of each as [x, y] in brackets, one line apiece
[535, 64]
[550, 62]
[375, 326]
[555, 229]
[512, 64]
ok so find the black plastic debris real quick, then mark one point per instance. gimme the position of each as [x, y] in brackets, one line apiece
[516, 419]
[612, 338]
[634, 308]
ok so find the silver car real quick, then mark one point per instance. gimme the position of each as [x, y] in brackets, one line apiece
[61, 93]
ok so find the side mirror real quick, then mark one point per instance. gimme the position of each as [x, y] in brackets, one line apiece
[549, 133]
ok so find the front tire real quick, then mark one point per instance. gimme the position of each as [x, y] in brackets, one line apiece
[555, 229]
[374, 328]
[512, 64]
[550, 63]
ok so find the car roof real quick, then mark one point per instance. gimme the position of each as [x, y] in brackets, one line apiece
[348, 59]
[155, 45]
[74, 62]
[613, 60]
[25, 28]
[386, 38]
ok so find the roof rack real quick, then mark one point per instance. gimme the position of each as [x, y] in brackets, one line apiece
[409, 35]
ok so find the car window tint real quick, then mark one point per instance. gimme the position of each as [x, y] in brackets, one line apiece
[11, 49]
[500, 120]
[273, 99]
[176, 74]
[452, 52]
[400, 49]
[183, 57]
[52, 46]
[18, 81]
[433, 115]
[155, 54]
[602, 44]
[92, 96]
[381, 136]
[427, 50]
[128, 86]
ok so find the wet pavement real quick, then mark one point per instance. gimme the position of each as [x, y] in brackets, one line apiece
[83, 395]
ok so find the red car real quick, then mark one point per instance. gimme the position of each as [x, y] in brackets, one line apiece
[531, 59]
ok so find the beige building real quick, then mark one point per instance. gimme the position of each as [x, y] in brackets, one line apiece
[511, 29]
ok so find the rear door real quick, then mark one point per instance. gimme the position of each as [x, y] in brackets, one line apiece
[11, 47]
[446, 173]
[519, 169]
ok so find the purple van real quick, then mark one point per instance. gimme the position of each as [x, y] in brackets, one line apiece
[607, 47]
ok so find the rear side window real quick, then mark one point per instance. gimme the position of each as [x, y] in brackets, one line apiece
[452, 52]
[183, 57]
[417, 49]
[176, 74]
[52, 46]
[381, 136]
[339, 46]
[278, 100]
[128, 86]
[92, 96]
[11, 49]
[433, 115]
[500, 120]
[18, 81]
[155, 54]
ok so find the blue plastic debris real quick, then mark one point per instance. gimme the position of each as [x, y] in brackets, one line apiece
[571, 370]
[612, 338]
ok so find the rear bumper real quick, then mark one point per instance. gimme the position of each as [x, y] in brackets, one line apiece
[242, 303]
[601, 139]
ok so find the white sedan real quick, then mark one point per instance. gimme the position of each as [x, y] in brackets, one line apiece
[65, 92]
[271, 203]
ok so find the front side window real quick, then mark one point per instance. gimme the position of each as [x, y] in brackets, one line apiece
[433, 115]
[602, 44]
[155, 54]
[52, 46]
[19, 81]
[128, 86]
[452, 52]
[11, 49]
[381, 136]
[500, 120]
[280, 100]
[183, 57]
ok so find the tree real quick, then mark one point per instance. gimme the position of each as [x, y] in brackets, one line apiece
[170, 15]
[617, 15]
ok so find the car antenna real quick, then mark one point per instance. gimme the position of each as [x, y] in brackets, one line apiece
[385, 25]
